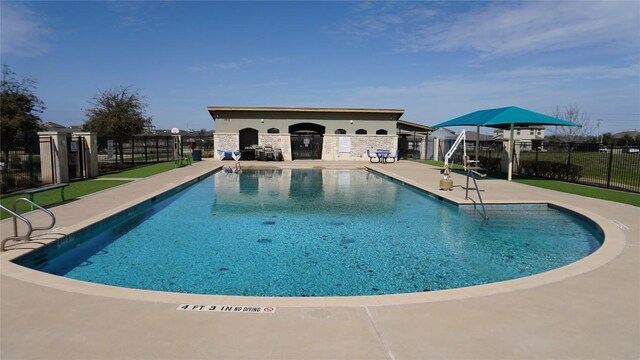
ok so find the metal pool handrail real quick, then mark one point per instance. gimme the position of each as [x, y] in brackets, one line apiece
[30, 227]
[473, 174]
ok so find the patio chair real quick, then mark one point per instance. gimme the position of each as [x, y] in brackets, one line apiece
[268, 153]
[371, 157]
[395, 157]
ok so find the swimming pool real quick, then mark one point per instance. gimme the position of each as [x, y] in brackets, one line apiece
[293, 232]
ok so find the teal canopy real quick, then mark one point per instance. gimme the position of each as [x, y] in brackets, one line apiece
[504, 117]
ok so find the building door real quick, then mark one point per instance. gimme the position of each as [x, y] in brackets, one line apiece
[306, 146]
[76, 157]
[306, 141]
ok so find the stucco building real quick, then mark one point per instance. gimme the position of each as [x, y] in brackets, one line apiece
[307, 133]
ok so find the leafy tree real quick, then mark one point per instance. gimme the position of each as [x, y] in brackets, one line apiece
[117, 112]
[607, 138]
[626, 139]
[18, 108]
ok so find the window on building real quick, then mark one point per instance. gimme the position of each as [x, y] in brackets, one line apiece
[361, 132]
[531, 132]
[517, 132]
[381, 132]
[341, 131]
[273, 131]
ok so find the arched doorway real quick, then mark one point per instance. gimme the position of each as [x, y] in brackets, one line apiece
[306, 141]
[248, 137]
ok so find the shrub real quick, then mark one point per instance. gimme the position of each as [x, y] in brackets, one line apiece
[490, 163]
[15, 162]
[551, 170]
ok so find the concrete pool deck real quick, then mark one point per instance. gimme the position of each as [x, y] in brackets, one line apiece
[586, 310]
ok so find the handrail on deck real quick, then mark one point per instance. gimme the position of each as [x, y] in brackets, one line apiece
[15, 228]
[30, 227]
[473, 174]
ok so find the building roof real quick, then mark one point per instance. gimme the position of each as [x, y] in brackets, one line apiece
[472, 136]
[409, 126]
[213, 109]
[52, 126]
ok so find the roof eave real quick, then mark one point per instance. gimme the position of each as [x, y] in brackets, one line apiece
[397, 112]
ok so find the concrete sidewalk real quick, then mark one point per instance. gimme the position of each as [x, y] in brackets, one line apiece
[587, 310]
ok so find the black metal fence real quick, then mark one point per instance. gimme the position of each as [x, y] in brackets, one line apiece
[117, 153]
[203, 143]
[612, 167]
[20, 165]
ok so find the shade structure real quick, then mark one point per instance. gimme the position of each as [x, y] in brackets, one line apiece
[503, 118]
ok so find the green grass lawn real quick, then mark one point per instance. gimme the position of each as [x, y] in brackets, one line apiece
[52, 197]
[142, 171]
[584, 190]
[84, 187]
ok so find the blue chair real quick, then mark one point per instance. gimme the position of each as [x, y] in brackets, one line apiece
[371, 157]
[395, 157]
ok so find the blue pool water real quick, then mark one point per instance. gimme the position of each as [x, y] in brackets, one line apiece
[313, 232]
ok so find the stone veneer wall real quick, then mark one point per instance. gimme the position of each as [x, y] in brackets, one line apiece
[359, 146]
[227, 142]
[282, 141]
[330, 145]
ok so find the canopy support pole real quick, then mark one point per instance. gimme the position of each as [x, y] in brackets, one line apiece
[477, 143]
[510, 144]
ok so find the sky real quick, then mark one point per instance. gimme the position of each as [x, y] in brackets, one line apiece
[435, 60]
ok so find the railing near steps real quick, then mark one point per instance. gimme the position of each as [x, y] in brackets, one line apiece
[472, 174]
[30, 228]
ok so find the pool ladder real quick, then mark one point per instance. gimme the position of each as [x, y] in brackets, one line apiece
[472, 174]
[30, 227]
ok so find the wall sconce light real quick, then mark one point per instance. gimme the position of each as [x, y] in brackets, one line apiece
[262, 120]
[350, 121]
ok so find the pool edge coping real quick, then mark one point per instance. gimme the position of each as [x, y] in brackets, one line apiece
[613, 246]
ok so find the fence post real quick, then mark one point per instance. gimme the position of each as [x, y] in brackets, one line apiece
[535, 168]
[568, 171]
[144, 144]
[610, 166]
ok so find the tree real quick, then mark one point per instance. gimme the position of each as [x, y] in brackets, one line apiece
[18, 108]
[572, 133]
[607, 138]
[117, 112]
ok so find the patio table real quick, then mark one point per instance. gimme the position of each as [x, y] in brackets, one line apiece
[382, 155]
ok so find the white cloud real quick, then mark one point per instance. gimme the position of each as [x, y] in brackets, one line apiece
[23, 33]
[570, 74]
[499, 29]
[537, 88]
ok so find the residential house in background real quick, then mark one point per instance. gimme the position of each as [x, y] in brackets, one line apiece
[527, 137]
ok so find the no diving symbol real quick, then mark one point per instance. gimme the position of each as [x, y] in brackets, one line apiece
[269, 309]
